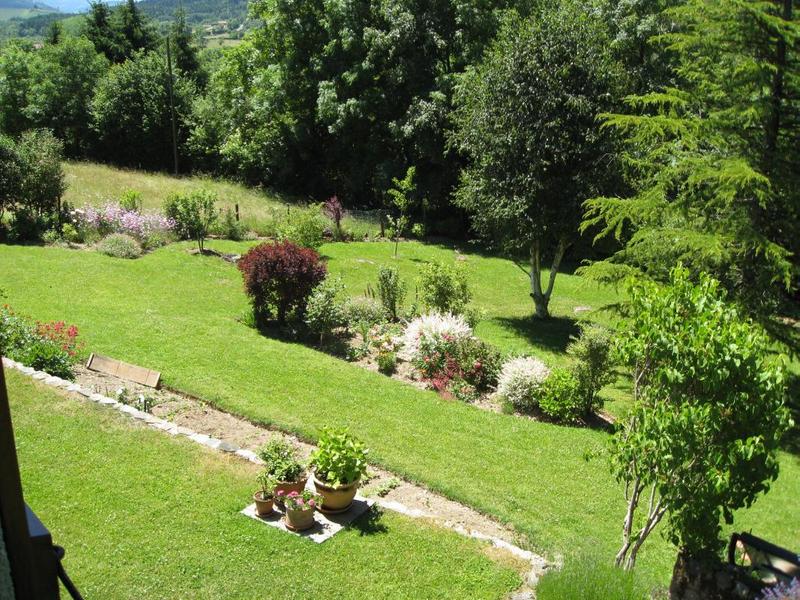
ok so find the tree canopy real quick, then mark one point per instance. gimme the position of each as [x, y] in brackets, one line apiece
[525, 120]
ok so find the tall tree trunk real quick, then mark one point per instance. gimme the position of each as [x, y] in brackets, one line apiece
[541, 298]
[777, 94]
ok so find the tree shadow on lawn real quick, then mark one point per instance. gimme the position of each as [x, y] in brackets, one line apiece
[370, 522]
[791, 439]
[551, 334]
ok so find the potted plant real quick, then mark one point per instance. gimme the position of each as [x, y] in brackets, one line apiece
[300, 507]
[338, 465]
[281, 462]
[265, 495]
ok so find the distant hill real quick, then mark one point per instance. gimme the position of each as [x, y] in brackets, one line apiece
[26, 4]
[23, 9]
[197, 11]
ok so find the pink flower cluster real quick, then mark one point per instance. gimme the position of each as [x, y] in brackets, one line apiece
[112, 218]
[299, 501]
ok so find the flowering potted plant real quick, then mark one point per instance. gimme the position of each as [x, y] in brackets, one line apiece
[281, 462]
[300, 507]
[339, 463]
[265, 495]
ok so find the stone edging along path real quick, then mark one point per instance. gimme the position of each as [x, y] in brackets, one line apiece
[229, 434]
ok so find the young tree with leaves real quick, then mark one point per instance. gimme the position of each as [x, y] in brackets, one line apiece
[525, 119]
[707, 420]
[401, 199]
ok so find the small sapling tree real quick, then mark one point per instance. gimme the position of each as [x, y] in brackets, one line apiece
[707, 420]
[401, 198]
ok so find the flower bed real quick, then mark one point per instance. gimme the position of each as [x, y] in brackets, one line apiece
[52, 347]
[150, 229]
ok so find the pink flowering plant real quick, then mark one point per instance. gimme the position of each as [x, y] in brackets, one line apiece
[149, 228]
[305, 500]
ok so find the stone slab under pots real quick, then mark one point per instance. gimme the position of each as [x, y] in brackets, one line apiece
[326, 526]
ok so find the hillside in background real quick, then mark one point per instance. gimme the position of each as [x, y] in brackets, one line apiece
[197, 11]
[23, 9]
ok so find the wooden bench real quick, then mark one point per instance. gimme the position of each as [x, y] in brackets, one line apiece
[767, 562]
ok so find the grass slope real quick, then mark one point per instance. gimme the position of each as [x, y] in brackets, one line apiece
[92, 183]
[144, 515]
[178, 313]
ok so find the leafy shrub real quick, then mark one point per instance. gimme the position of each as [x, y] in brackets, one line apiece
[49, 347]
[480, 362]
[51, 236]
[339, 458]
[520, 381]
[585, 578]
[362, 311]
[443, 288]
[592, 368]
[119, 245]
[559, 397]
[418, 231]
[304, 226]
[391, 291]
[279, 277]
[25, 225]
[229, 228]
[31, 183]
[71, 234]
[45, 355]
[280, 460]
[131, 201]
[324, 309]
[193, 213]
[387, 362]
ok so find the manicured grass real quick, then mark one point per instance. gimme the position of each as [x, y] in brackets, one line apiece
[178, 313]
[93, 183]
[145, 515]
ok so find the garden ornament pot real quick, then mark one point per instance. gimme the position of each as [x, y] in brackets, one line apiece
[336, 499]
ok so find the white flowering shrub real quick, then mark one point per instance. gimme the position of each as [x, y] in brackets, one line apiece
[520, 382]
[428, 330]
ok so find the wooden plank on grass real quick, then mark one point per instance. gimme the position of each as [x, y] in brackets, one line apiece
[123, 370]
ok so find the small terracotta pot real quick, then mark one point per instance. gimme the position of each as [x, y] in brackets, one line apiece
[290, 486]
[299, 520]
[336, 499]
[263, 507]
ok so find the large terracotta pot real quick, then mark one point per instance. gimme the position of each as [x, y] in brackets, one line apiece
[299, 520]
[263, 507]
[336, 499]
[290, 486]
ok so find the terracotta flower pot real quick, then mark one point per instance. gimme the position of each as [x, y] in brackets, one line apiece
[336, 499]
[290, 486]
[263, 507]
[299, 520]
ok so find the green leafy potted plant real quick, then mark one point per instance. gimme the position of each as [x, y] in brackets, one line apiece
[338, 465]
[265, 495]
[281, 462]
[300, 507]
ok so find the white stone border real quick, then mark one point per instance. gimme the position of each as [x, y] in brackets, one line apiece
[539, 565]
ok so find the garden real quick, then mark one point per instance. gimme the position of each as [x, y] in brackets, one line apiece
[461, 374]
[463, 299]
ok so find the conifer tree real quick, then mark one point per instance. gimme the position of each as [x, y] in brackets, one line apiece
[713, 160]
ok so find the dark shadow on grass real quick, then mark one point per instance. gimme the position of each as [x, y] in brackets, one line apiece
[791, 439]
[552, 334]
[370, 522]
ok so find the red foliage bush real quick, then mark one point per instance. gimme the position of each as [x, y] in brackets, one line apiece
[279, 278]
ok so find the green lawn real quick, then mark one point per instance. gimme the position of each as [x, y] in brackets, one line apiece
[145, 515]
[178, 313]
[93, 183]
